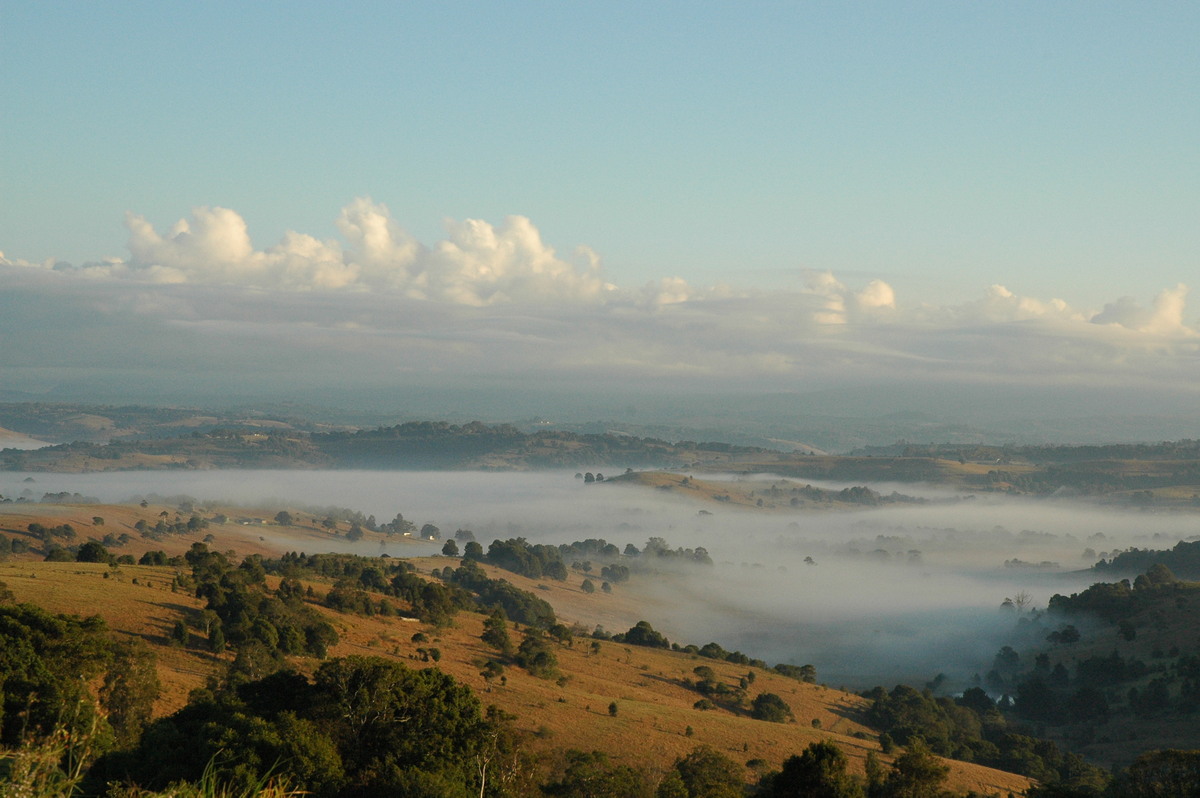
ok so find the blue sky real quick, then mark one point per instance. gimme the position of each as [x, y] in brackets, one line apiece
[940, 146]
[901, 170]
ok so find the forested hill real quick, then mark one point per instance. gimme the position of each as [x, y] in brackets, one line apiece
[1185, 449]
[436, 445]
[1148, 476]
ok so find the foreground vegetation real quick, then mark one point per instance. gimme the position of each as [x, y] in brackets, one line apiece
[358, 725]
[534, 704]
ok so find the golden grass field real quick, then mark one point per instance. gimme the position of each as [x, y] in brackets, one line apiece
[654, 708]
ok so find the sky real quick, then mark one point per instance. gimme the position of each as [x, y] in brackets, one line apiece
[786, 195]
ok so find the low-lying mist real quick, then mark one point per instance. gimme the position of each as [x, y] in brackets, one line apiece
[868, 596]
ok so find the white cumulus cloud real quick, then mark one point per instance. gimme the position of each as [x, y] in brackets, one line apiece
[497, 297]
[840, 305]
[477, 263]
[1164, 317]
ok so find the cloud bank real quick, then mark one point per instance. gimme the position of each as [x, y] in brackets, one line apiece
[496, 300]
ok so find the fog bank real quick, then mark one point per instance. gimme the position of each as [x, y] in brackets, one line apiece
[869, 596]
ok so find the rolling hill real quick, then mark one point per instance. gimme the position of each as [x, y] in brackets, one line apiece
[650, 687]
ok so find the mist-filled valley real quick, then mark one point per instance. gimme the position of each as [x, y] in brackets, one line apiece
[319, 323]
[869, 596]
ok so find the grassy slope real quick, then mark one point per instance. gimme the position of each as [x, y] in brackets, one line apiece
[654, 708]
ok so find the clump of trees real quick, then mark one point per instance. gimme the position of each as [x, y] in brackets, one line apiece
[522, 557]
[972, 728]
[518, 605]
[802, 673]
[770, 707]
[359, 726]
[49, 665]
[12, 546]
[252, 617]
[434, 601]
[1160, 566]
[643, 634]
[536, 654]
[48, 535]
[538, 560]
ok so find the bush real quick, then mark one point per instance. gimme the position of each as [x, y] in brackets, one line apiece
[770, 707]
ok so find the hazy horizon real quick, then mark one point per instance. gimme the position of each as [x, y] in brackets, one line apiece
[630, 213]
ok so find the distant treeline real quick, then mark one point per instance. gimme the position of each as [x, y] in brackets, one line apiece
[1183, 560]
[1184, 449]
[434, 601]
[425, 444]
[537, 560]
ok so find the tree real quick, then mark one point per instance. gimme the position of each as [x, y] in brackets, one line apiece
[473, 551]
[615, 572]
[495, 633]
[216, 639]
[917, 773]
[1159, 574]
[450, 549]
[643, 634]
[92, 552]
[364, 727]
[1068, 634]
[590, 776]
[1035, 700]
[562, 633]
[977, 700]
[130, 689]
[770, 707]
[1161, 774]
[491, 670]
[536, 655]
[818, 772]
[180, 633]
[391, 720]
[588, 586]
[153, 558]
[1006, 662]
[672, 785]
[707, 773]
[400, 526]
[284, 518]
[56, 553]
[46, 664]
